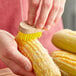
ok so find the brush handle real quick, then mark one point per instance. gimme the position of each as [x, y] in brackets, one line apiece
[28, 29]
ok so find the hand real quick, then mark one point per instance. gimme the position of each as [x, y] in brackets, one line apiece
[10, 55]
[45, 13]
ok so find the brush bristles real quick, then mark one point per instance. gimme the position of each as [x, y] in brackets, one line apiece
[27, 37]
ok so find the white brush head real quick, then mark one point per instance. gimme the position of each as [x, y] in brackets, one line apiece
[26, 28]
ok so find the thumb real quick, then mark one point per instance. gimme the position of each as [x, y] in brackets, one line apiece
[20, 59]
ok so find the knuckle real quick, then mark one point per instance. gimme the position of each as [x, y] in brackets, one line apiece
[56, 7]
[57, 4]
[8, 53]
[47, 4]
[17, 72]
[61, 9]
[35, 2]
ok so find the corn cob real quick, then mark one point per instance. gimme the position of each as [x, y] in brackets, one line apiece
[66, 62]
[43, 64]
[66, 40]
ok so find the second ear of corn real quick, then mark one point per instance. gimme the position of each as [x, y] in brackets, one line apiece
[66, 40]
[43, 64]
[66, 61]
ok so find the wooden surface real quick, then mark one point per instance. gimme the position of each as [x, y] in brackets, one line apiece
[6, 72]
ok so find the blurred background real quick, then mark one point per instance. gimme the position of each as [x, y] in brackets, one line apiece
[69, 16]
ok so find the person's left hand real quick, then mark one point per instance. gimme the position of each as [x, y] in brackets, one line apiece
[45, 13]
[10, 55]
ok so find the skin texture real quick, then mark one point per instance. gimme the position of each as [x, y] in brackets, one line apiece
[49, 12]
[10, 55]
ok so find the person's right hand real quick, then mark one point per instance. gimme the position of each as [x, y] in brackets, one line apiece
[44, 14]
[10, 55]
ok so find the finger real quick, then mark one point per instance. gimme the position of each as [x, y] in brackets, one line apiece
[7, 40]
[33, 6]
[53, 14]
[16, 68]
[61, 10]
[5, 32]
[20, 59]
[45, 9]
